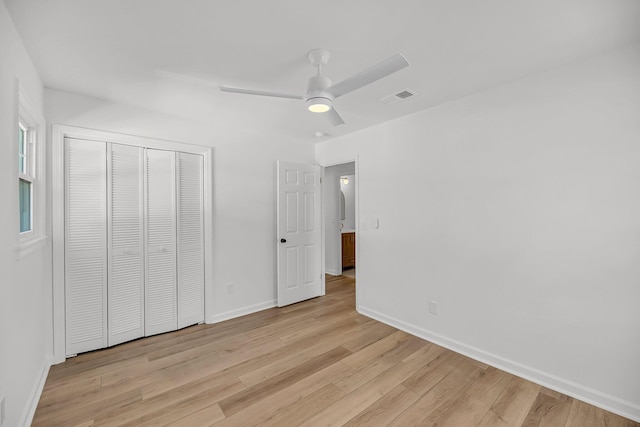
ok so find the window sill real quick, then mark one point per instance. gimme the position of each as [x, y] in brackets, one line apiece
[29, 246]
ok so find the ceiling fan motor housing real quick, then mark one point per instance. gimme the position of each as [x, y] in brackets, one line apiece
[318, 100]
[317, 86]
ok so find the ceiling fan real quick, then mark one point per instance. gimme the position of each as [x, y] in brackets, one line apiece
[320, 93]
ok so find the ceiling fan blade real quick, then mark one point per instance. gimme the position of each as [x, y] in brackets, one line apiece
[334, 117]
[388, 66]
[259, 92]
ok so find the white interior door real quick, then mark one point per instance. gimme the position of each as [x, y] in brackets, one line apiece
[190, 239]
[126, 254]
[299, 233]
[160, 215]
[85, 245]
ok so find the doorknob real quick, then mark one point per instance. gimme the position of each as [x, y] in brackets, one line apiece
[283, 240]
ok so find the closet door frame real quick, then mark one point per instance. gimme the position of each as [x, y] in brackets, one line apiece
[58, 134]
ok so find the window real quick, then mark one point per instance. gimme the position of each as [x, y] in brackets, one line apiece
[25, 177]
[30, 209]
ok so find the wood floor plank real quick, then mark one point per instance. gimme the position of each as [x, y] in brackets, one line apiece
[318, 362]
[73, 377]
[385, 409]
[380, 362]
[359, 400]
[513, 404]
[548, 411]
[261, 411]
[59, 395]
[584, 415]
[305, 408]
[196, 346]
[376, 349]
[466, 410]
[319, 328]
[80, 411]
[257, 392]
[446, 389]
[489, 385]
[182, 374]
[214, 390]
[431, 373]
[371, 332]
[340, 334]
[172, 413]
[203, 418]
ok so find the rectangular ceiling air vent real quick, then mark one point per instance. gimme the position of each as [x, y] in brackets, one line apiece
[400, 96]
[404, 94]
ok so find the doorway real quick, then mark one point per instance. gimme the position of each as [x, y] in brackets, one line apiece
[340, 219]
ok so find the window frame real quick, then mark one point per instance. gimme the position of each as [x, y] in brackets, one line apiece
[30, 120]
[27, 174]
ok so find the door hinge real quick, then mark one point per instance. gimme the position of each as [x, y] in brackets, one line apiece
[320, 180]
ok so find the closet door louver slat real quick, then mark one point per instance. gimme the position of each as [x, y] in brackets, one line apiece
[85, 245]
[126, 262]
[190, 240]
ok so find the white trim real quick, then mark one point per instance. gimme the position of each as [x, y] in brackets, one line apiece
[34, 397]
[332, 272]
[57, 235]
[323, 248]
[359, 287]
[578, 391]
[58, 134]
[243, 311]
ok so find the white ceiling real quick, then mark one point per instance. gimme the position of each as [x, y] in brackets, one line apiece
[171, 55]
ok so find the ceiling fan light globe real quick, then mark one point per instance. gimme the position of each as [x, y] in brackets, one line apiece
[319, 105]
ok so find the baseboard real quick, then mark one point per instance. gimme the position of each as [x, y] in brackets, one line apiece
[34, 398]
[243, 311]
[586, 394]
[332, 272]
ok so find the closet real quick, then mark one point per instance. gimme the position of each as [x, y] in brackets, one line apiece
[134, 245]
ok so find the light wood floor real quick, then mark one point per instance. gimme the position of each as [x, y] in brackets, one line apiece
[310, 364]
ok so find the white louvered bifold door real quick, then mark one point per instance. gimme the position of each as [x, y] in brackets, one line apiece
[126, 255]
[190, 240]
[85, 245]
[161, 291]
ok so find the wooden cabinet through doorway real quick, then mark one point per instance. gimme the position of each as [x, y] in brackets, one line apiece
[348, 250]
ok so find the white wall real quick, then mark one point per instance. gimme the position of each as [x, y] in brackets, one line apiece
[24, 283]
[331, 207]
[519, 214]
[349, 191]
[244, 189]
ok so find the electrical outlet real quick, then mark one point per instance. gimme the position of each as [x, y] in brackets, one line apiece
[3, 412]
[433, 307]
[230, 288]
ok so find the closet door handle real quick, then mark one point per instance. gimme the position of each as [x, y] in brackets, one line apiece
[283, 240]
